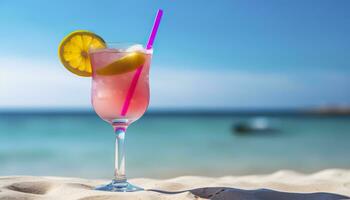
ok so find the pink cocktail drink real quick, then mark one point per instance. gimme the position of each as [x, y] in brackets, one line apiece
[110, 92]
[120, 86]
[118, 99]
[120, 94]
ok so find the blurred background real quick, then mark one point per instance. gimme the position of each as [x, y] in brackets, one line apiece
[237, 87]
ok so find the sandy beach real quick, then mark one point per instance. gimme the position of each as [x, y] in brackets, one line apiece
[282, 185]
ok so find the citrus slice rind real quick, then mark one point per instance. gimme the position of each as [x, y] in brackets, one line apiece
[73, 51]
[125, 64]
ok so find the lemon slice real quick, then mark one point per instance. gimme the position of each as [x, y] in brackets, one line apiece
[73, 51]
[125, 64]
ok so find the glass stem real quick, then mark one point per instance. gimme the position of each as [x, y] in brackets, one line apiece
[119, 169]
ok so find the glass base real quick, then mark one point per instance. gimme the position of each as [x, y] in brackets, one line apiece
[119, 186]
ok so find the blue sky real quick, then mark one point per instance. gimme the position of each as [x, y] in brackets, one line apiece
[208, 54]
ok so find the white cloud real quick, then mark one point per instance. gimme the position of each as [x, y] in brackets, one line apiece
[40, 83]
[44, 83]
[216, 89]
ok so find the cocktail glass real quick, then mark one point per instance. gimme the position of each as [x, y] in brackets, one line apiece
[115, 101]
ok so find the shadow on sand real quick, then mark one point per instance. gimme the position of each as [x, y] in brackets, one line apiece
[225, 193]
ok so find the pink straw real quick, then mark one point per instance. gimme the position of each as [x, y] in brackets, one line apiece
[137, 74]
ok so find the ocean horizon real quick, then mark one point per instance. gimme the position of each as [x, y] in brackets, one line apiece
[313, 111]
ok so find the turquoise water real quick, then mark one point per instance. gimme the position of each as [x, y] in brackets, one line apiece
[162, 146]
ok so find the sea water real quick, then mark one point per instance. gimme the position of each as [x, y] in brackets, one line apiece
[169, 145]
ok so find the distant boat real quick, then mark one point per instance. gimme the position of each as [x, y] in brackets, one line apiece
[256, 126]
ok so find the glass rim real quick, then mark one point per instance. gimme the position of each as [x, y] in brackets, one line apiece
[123, 46]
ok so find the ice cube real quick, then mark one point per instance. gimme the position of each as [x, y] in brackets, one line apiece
[136, 47]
